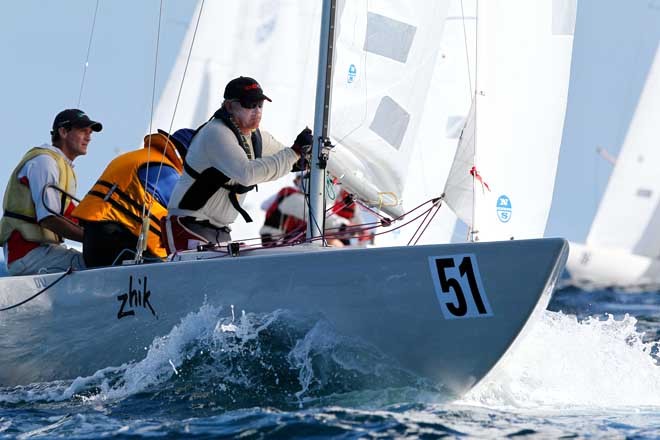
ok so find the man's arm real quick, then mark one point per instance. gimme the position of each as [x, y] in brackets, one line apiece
[63, 228]
[225, 154]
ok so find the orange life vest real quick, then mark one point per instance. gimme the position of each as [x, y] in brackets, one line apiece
[119, 196]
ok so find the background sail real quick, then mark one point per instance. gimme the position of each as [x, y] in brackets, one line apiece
[634, 186]
[385, 58]
[523, 64]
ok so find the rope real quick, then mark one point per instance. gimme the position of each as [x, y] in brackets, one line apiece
[142, 240]
[423, 226]
[176, 105]
[292, 239]
[185, 70]
[68, 272]
[467, 51]
[178, 97]
[89, 48]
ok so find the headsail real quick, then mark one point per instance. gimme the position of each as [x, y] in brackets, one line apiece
[523, 64]
[385, 58]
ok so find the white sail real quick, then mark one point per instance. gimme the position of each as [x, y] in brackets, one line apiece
[273, 41]
[634, 186]
[523, 64]
[460, 187]
[385, 58]
[446, 110]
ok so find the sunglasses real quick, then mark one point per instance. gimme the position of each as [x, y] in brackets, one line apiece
[251, 105]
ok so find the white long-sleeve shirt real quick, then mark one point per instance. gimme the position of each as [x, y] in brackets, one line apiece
[216, 146]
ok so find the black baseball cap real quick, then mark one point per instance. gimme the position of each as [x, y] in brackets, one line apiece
[245, 89]
[73, 117]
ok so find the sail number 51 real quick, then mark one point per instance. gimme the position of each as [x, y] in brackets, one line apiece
[458, 286]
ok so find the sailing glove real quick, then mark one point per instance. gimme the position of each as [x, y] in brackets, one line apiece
[303, 143]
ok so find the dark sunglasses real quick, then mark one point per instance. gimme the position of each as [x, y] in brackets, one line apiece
[250, 105]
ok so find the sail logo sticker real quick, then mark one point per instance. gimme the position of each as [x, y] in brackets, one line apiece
[352, 72]
[458, 287]
[503, 208]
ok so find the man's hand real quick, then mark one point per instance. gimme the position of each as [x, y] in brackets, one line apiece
[303, 143]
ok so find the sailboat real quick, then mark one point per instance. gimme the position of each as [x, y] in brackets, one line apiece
[622, 249]
[444, 312]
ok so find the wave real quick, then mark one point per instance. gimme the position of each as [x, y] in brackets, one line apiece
[565, 362]
[214, 360]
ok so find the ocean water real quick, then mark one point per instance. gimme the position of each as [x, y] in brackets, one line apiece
[588, 369]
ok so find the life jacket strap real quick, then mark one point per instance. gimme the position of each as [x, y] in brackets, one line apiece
[18, 216]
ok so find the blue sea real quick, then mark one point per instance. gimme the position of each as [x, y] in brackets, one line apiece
[588, 369]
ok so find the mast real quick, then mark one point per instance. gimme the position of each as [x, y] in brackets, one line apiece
[474, 232]
[321, 121]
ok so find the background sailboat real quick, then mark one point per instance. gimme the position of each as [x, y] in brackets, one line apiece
[623, 249]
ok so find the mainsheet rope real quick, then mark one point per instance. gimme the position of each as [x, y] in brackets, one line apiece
[144, 231]
[13, 306]
[142, 239]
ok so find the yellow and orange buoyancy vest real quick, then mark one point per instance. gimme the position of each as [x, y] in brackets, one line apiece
[119, 196]
[18, 206]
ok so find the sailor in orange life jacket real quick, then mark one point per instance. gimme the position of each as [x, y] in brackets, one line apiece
[36, 216]
[285, 216]
[112, 211]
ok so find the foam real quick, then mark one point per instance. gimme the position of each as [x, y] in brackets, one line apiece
[565, 362]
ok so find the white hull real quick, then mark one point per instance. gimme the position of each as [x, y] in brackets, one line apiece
[384, 297]
[594, 267]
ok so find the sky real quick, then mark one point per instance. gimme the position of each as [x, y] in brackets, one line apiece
[43, 48]
[44, 45]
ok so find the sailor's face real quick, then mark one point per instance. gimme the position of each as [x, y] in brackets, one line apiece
[247, 115]
[75, 141]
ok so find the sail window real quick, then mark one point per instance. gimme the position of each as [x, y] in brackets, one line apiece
[644, 192]
[390, 121]
[563, 17]
[389, 38]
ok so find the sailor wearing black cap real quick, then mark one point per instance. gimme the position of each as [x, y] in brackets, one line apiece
[37, 203]
[228, 156]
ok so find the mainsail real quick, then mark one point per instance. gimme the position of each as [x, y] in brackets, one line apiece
[274, 41]
[507, 157]
[263, 39]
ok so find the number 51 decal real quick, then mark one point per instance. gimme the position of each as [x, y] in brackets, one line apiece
[458, 286]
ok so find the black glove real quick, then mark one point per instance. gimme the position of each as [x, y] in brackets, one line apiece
[303, 143]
